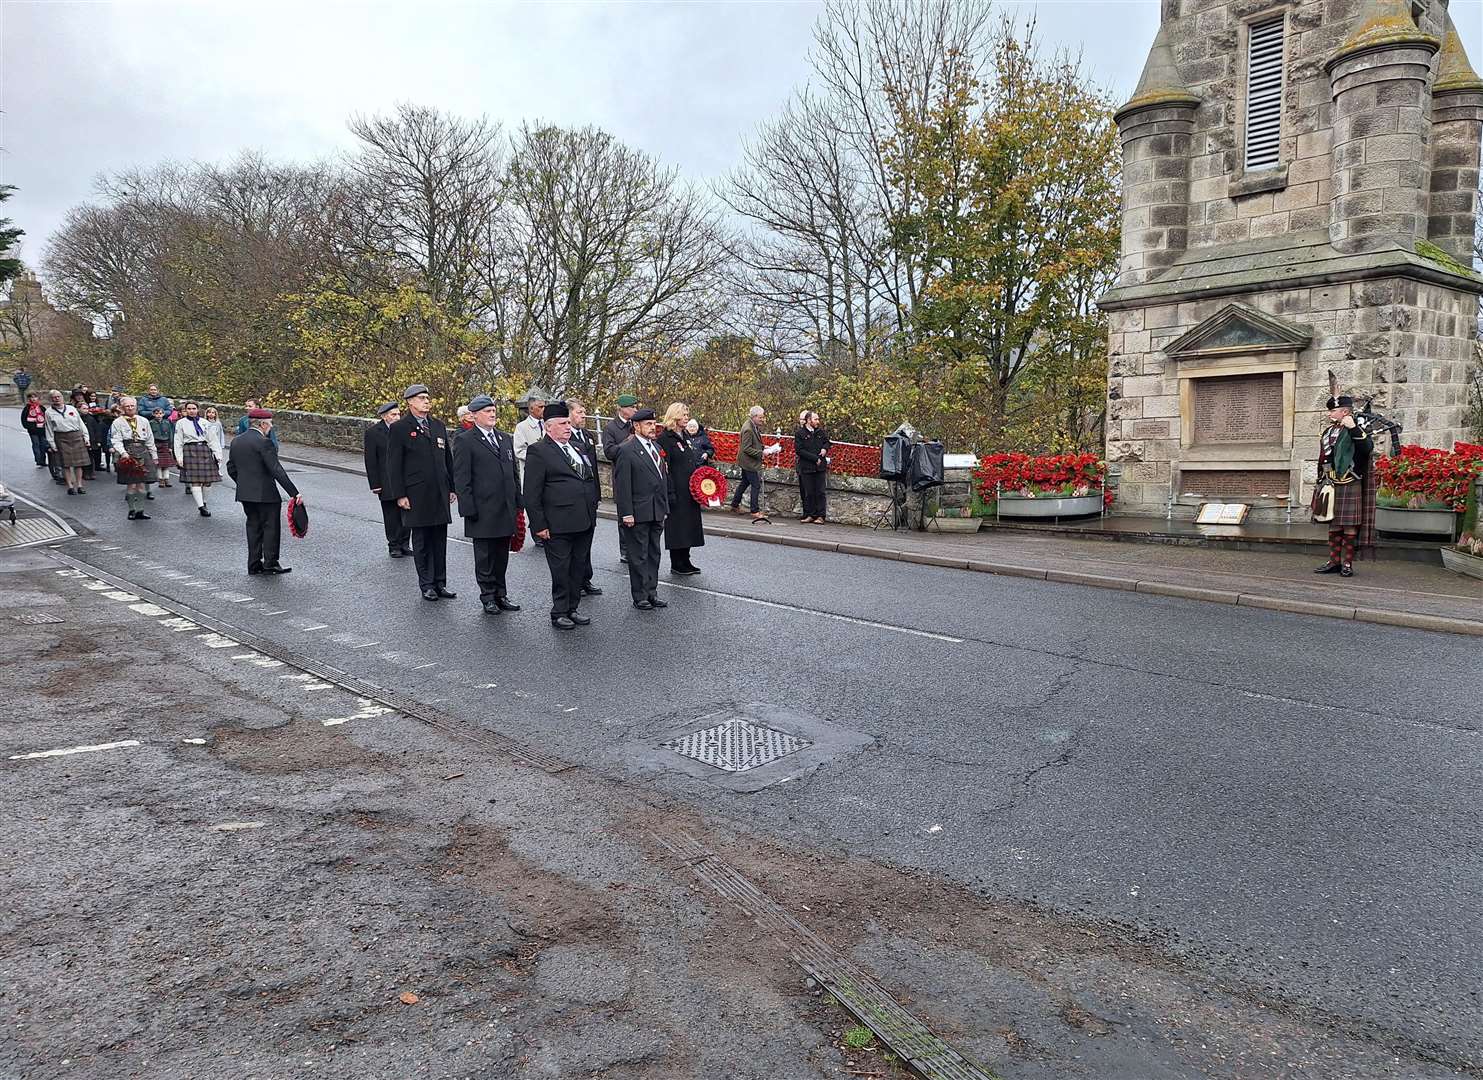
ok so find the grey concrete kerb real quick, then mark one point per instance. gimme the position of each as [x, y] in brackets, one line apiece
[760, 534]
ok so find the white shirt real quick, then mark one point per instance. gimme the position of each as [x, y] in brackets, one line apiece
[185, 432]
[648, 444]
[68, 419]
[124, 429]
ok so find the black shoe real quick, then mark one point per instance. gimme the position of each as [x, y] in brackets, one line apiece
[656, 602]
[70, 491]
[141, 516]
[407, 553]
[491, 608]
[82, 491]
[275, 569]
[1346, 570]
[397, 553]
[578, 618]
[133, 515]
[149, 495]
[562, 622]
[505, 604]
[1330, 567]
[204, 511]
[684, 571]
[255, 570]
[429, 594]
[643, 605]
[447, 594]
[591, 590]
[623, 558]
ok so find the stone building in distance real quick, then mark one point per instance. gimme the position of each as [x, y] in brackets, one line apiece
[1300, 193]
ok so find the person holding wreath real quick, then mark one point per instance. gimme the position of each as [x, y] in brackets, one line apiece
[133, 456]
[683, 528]
[811, 445]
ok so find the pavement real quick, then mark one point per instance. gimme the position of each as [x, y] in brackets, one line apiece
[1391, 592]
[1083, 832]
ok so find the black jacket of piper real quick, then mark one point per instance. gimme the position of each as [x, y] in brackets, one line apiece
[375, 442]
[253, 464]
[484, 481]
[639, 487]
[419, 468]
[556, 495]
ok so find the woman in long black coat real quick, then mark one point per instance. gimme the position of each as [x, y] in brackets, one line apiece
[683, 529]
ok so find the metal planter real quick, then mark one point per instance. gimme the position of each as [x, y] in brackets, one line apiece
[1017, 506]
[1460, 562]
[1399, 519]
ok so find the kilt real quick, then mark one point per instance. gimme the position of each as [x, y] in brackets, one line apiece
[72, 448]
[164, 454]
[136, 449]
[1349, 505]
[198, 465]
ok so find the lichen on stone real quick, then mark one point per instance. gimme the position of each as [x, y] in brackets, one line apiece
[1454, 72]
[1392, 25]
[1429, 251]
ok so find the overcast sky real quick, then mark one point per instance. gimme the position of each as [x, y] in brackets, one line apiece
[93, 87]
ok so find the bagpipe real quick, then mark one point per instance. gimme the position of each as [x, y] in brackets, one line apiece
[1374, 423]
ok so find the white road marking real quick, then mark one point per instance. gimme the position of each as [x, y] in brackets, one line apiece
[244, 656]
[368, 709]
[217, 641]
[820, 614]
[232, 597]
[283, 612]
[92, 541]
[299, 676]
[491, 686]
[365, 645]
[316, 626]
[96, 586]
[114, 547]
[236, 826]
[195, 742]
[149, 609]
[430, 663]
[572, 709]
[121, 596]
[319, 686]
[178, 624]
[75, 750]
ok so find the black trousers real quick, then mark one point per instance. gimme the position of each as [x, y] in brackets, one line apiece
[750, 478]
[643, 540]
[811, 487]
[398, 536]
[568, 555]
[264, 529]
[491, 557]
[430, 553]
[38, 445]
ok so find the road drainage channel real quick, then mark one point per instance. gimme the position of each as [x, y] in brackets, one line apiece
[857, 992]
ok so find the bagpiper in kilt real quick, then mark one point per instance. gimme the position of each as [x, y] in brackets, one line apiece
[1344, 498]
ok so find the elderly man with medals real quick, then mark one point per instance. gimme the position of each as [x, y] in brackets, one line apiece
[1344, 499]
[488, 500]
[558, 493]
[374, 440]
[419, 479]
[641, 490]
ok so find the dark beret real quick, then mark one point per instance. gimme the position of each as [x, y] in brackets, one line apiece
[256, 414]
[643, 414]
[382, 410]
[626, 400]
[555, 410]
[1343, 401]
[480, 401]
[413, 390]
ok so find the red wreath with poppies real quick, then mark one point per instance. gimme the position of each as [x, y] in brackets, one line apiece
[708, 486]
[131, 469]
[290, 512]
[517, 538]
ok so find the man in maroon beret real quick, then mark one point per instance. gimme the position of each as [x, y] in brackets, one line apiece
[253, 464]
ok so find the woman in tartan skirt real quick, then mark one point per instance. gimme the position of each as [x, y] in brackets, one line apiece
[1345, 496]
[199, 455]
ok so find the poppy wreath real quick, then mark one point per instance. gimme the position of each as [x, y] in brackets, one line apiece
[708, 486]
[297, 516]
[130, 469]
[517, 538]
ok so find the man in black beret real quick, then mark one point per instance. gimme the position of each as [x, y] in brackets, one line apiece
[488, 500]
[1344, 498]
[558, 499]
[419, 479]
[398, 536]
[641, 489]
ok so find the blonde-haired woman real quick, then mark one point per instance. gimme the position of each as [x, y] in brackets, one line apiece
[683, 529]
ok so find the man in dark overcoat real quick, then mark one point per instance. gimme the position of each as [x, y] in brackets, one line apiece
[587, 446]
[558, 500]
[419, 478]
[398, 536]
[615, 433]
[641, 488]
[253, 464]
[488, 500]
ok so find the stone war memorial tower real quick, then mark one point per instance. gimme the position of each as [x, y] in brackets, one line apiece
[1300, 190]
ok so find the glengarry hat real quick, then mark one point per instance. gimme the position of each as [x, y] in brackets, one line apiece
[413, 390]
[1342, 401]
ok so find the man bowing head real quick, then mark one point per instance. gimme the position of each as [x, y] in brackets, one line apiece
[419, 479]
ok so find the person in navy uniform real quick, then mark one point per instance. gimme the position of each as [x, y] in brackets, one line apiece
[641, 488]
[488, 500]
[419, 478]
[253, 464]
[563, 513]
[398, 536]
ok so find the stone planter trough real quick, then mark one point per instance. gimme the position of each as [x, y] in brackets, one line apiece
[1460, 562]
[1399, 519]
[1017, 506]
[955, 524]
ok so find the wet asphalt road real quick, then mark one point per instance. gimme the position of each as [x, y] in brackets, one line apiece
[1289, 803]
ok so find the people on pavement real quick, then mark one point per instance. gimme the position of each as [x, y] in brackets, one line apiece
[201, 459]
[253, 464]
[67, 437]
[1344, 498]
[163, 430]
[99, 421]
[374, 441]
[615, 433]
[133, 456]
[558, 491]
[243, 421]
[752, 452]
[218, 437]
[154, 401]
[587, 447]
[419, 477]
[700, 442]
[641, 489]
[811, 448]
[33, 419]
[79, 401]
[488, 500]
[683, 528]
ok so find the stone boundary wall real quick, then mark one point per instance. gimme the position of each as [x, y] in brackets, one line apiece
[853, 500]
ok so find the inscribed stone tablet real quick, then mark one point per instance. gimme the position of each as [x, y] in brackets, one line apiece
[1238, 409]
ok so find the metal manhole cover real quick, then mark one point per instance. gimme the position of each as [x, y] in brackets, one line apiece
[737, 745]
[36, 618]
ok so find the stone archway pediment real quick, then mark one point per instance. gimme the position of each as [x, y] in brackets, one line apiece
[1239, 328]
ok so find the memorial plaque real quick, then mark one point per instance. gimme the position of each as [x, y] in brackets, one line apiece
[1238, 409]
[1231, 485]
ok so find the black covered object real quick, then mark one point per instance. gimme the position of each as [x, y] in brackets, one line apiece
[926, 466]
[297, 516]
[895, 456]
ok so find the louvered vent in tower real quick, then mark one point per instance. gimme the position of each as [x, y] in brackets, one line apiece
[1264, 94]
